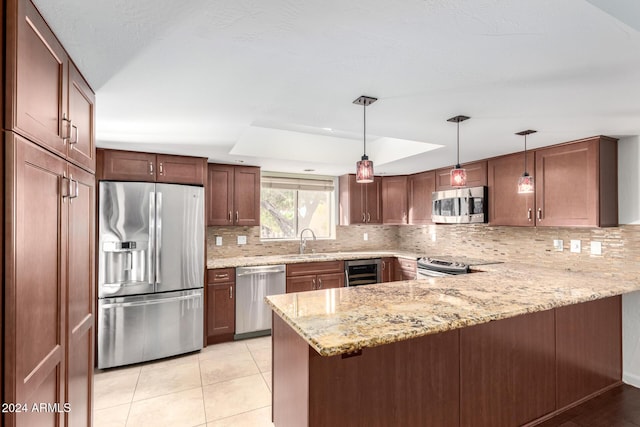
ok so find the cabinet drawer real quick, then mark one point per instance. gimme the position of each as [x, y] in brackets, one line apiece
[407, 264]
[221, 275]
[321, 267]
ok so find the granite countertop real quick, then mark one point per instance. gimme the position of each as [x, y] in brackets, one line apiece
[338, 321]
[297, 258]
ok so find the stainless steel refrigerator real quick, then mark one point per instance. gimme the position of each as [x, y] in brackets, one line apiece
[150, 271]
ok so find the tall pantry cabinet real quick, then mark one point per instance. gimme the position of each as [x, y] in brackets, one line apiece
[49, 227]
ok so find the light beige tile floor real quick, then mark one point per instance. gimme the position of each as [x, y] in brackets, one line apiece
[225, 384]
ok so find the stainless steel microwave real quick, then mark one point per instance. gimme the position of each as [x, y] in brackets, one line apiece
[459, 206]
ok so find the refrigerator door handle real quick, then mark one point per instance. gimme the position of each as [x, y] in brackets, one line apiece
[152, 301]
[151, 251]
[158, 237]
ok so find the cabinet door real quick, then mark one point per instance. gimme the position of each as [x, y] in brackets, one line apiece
[328, 281]
[35, 293]
[220, 309]
[374, 201]
[405, 269]
[476, 176]
[82, 148]
[220, 195]
[127, 166]
[180, 169]
[394, 199]
[567, 185]
[80, 297]
[301, 283]
[37, 73]
[506, 206]
[246, 196]
[352, 201]
[387, 269]
[420, 189]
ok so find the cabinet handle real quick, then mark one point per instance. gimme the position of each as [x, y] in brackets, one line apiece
[230, 292]
[66, 125]
[364, 217]
[65, 189]
[237, 216]
[160, 169]
[319, 283]
[539, 214]
[229, 216]
[150, 168]
[368, 217]
[222, 276]
[75, 140]
[76, 189]
[529, 214]
[384, 264]
[313, 284]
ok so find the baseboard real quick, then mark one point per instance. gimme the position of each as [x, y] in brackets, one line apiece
[631, 379]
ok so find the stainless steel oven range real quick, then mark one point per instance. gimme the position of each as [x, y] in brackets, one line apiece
[432, 267]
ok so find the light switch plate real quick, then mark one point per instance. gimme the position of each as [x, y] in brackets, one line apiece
[218, 240]
[576, 246]
[596, 248]
[558, 245]
[242, 240]
[366, 236]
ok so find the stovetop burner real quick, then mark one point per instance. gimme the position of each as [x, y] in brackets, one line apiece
[448, 267]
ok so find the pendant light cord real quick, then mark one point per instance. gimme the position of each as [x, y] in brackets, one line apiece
[525, 154]
[458, 147]
[364, 131]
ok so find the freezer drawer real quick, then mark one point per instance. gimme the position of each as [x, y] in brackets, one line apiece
[147, 327]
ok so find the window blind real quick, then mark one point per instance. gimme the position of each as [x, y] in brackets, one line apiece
[297, 183]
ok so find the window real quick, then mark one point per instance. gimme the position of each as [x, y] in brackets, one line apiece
[289, 204]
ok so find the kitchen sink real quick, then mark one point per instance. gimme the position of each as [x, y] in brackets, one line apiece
[308, 256]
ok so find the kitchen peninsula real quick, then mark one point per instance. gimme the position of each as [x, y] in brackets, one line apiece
[510, 344]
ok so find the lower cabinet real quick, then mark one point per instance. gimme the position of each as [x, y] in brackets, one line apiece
[387, 266]
[312, 276]
[405, 269]
[221, 306]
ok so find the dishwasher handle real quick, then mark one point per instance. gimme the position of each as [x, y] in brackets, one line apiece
[266, 269]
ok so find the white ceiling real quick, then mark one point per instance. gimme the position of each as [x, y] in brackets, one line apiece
[271, 82]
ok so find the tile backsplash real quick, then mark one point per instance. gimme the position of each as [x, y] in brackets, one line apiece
[620, 245]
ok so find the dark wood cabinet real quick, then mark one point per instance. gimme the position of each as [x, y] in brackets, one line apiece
[576, 184]
[420, 187]
[120, 165]
[405, 269]
[234, 195]
[360, 203]
[394, 200]
[506, 205]
[387, 265]
[221, 306]
[48, 329]
[311, 276]
[506, 375]
[51, 103]
[476, 175]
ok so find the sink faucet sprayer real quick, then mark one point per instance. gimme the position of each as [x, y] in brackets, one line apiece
[303, 242]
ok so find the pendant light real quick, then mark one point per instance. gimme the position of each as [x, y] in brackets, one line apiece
[458, 174]
[364, 168]
[526, 183]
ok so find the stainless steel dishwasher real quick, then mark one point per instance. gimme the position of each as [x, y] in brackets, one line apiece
[253, 315]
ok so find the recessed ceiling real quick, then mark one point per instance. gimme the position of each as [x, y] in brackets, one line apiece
[272, 83]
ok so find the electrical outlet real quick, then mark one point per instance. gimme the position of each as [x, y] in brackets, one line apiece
[366, 236]
[576, 246]
[596, 248]
[242, 240]
[558, 245]
[218, 240]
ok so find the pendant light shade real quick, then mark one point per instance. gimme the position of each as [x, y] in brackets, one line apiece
[364, 168]
[458, 174]
[526, 183]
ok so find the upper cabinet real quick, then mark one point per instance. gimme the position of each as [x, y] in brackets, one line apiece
[48, 100]
[394, 199]
[360, 203]
[233, 195]
[575, 185]
[118, 165]
[506, 206]
[420, 187]
[476, 176]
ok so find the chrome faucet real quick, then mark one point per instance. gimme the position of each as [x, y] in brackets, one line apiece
[303, 242]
